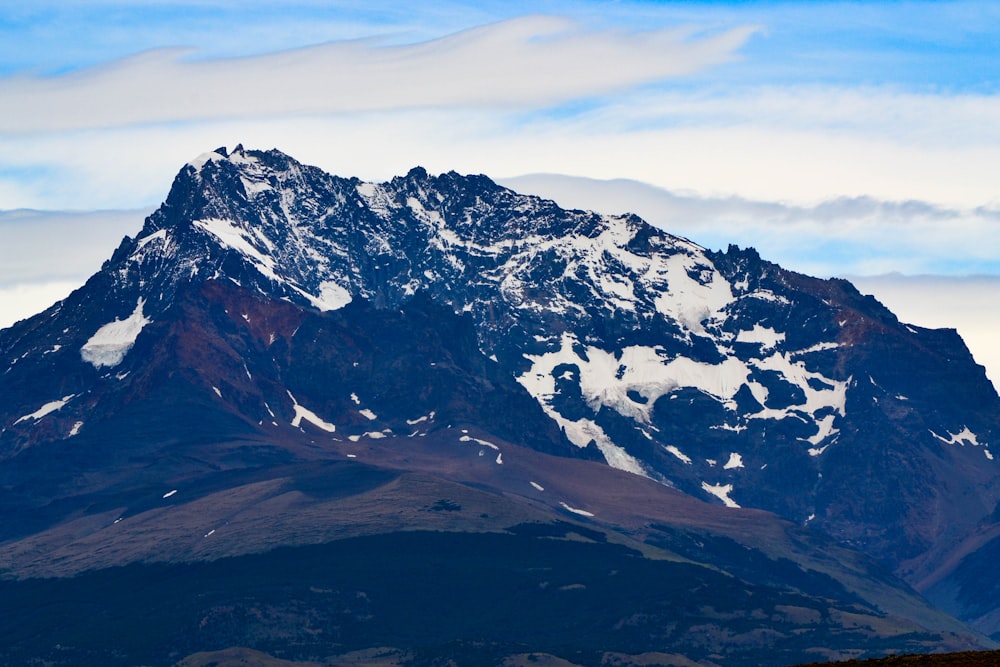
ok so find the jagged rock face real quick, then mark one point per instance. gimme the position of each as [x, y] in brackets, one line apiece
[715, 372]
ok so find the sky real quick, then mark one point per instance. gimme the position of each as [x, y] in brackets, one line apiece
[851, 139]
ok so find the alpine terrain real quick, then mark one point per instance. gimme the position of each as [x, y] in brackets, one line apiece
[433, 419]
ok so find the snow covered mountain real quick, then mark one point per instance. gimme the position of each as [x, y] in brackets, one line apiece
[267, 301]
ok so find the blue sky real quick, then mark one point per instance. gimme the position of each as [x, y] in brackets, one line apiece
[840, 138]
[924, 45]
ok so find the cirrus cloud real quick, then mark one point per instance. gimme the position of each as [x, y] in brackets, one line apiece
[524, 62]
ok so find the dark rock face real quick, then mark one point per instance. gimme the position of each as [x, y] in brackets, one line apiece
[267, 300]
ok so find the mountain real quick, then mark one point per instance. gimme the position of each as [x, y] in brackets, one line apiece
[465, 422]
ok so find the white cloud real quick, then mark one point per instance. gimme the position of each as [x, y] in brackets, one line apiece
[800, 143]
[924, 118]
[773, 164]
[756, 159]
[528, 95]
[528, 61]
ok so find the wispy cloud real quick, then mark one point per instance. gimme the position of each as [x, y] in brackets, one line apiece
[822, 101]
[898, 147]
[796, 143]
[529, 61]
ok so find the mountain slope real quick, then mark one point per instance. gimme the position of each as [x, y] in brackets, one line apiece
[518, 551]
[270, 316]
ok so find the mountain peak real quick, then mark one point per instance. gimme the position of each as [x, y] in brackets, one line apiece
[270, 318]
[219, 153]
[720, 374]
[417, 173]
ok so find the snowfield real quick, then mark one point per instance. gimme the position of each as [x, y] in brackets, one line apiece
[109, 344]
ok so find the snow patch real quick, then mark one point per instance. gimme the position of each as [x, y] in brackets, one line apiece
[310, 416]
[678, 453]
[233, 237]
[331, 296]
[540, 383]
[204, 159]
[538, 487]
[768, 295]
[253, 186]
[484, 443]
[421, 420]
[735, 461]
[75, 430]
[818, 347]
[376, 198]
[606, 379]
[160, 235]
[767, 337]
[169, 493]
[963, 437]
[575, 510]
[48, 408]
[109, 344]
[828, 395]
[369, 414]
[826, 429]
[720, 491]
[582, 431]
[691, 301]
